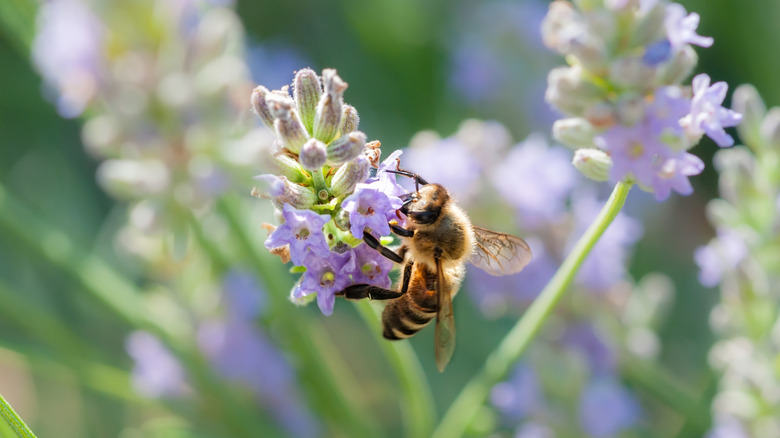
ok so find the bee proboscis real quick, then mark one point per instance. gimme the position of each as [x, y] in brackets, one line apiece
[436, 244]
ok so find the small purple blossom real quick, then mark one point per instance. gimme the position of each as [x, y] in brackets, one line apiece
[634, 150]
[302, 230]
[387, 181]
[681, 27]
[536, 179]
[244, 296]
[371, 207]
[606, 408]
[371, 267]
[673, 174]
[325, 277]
[707, 115]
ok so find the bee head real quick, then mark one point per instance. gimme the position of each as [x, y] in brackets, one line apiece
[424, 206]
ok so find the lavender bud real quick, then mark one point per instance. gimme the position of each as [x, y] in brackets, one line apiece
[349, 120]
[558, 26]
[288, 126]
[313, 154]
[631, 72]
[307, 93]
[260, 106]
[630, 109]
[747, 102]
[346, 148]
[568, 91]
[593, 163]
[284, 165]
[328, 118]
[650, 26]
[601, 115]
[282, 191]
[349, 175]
[679, 67]
[573, 132]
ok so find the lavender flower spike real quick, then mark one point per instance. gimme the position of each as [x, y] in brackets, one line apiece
[302, 230]
[707, 116]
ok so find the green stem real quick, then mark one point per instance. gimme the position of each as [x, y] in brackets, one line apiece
[13, 420]
[498, 364]
[417, 407]
[319, 183]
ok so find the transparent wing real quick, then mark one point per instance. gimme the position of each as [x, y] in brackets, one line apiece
[499, 253]
[445, 321]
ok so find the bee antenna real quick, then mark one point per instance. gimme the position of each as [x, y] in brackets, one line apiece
[418, 180]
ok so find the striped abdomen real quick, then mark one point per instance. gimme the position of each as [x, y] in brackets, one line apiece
[413, 310]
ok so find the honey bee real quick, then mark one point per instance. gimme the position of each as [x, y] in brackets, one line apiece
[436, 244]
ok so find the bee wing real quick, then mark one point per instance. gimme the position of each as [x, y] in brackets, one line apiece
[499, 253]
[445, 321]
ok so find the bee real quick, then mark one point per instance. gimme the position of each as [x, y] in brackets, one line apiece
[437, 242]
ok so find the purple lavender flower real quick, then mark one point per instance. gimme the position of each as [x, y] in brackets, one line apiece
[302, 230]
[707, 115]
[536, 180]
[520, 396]
[371, 207]
[475, 72]
[606, 408]
[68, 50]
[681, 27]
[722, 254]
[371, 267]
[388, 183]
[633, 150]
[673, 175]
[325, 277]
[157, 373]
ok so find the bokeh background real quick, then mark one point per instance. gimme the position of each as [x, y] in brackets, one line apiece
[412, 66]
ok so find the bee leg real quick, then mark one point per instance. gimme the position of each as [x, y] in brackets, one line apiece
[362, 291]
[387, 252]
[403, 232]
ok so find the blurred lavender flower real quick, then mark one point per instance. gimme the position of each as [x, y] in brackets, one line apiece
[722, 255]
[157, 373]
[607, 408]
[240, 352]
[647, 126]
[520, 396]
[536, 180]
[585, 339]
[68, 50]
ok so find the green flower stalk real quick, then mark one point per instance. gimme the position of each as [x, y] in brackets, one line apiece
[14, 421]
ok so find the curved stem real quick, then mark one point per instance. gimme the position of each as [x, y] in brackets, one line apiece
[417, 407]
[499, 362]
[13, 420]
